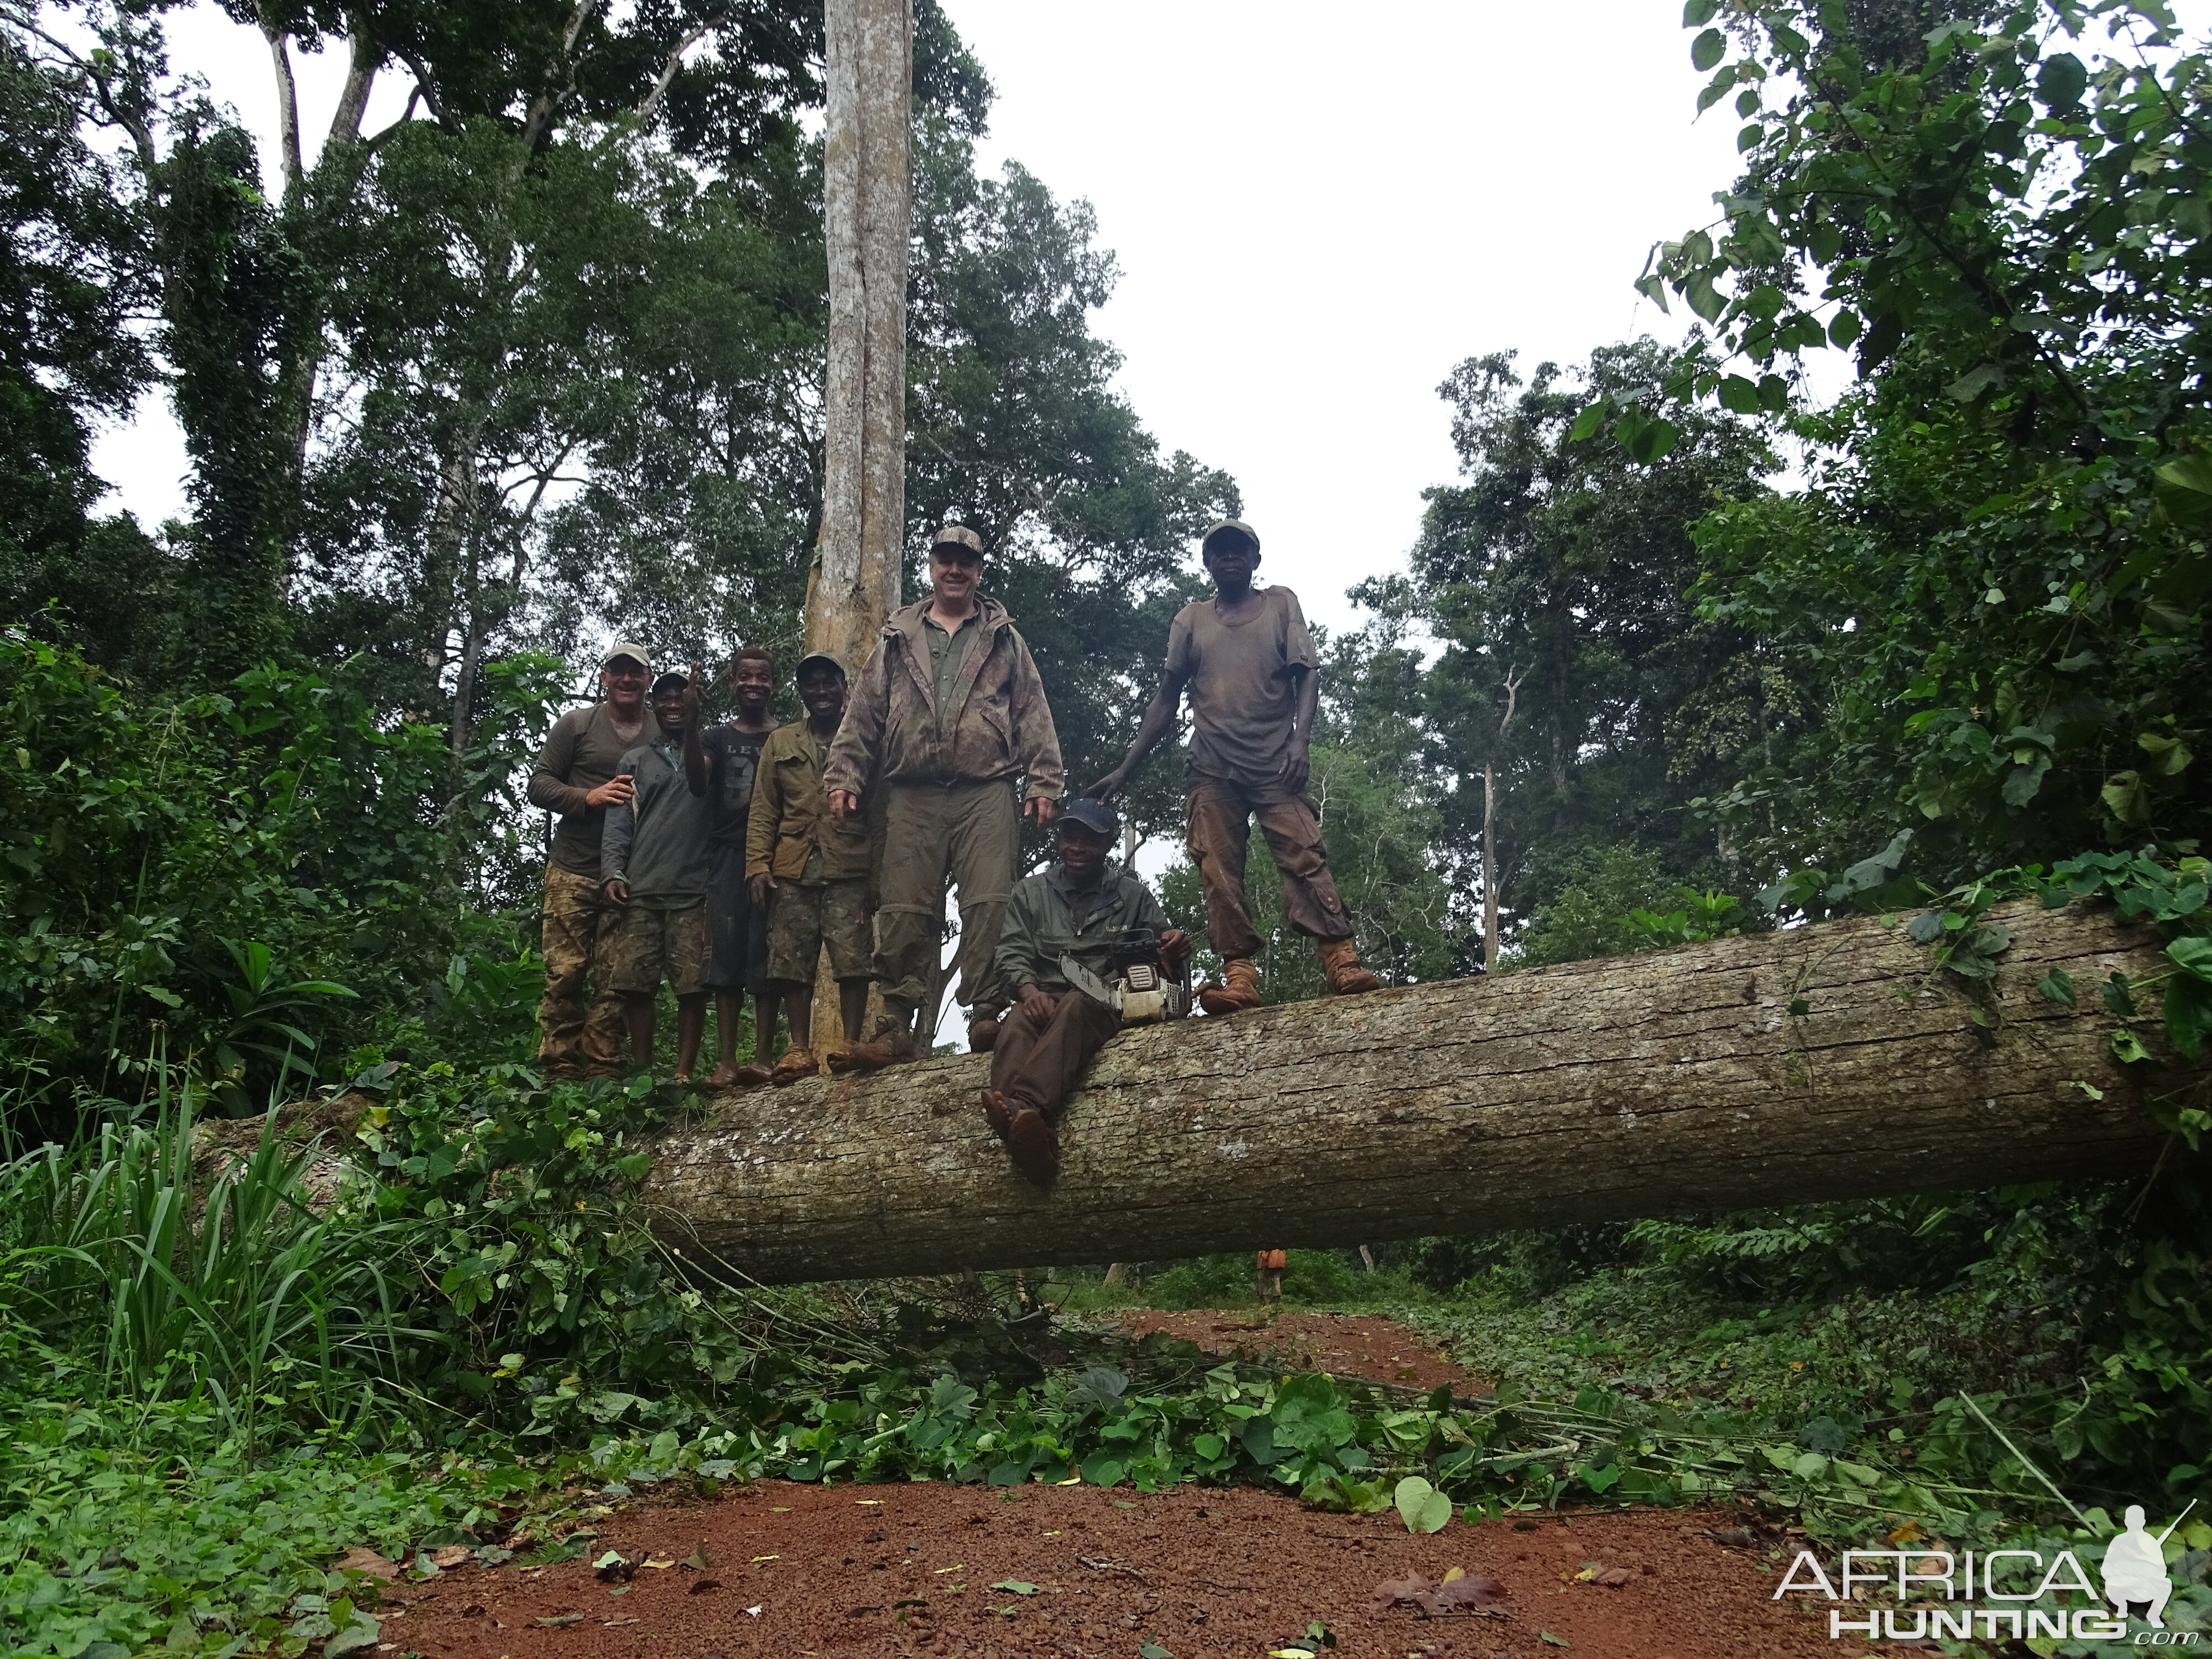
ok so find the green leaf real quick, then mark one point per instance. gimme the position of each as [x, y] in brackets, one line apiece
[1707, 49]
[2185, 489]
[1699, 13]
[1015, 1586]
[2057, 986]
[1843, 328]
[2127, 1047]
[2061, 82]
[1587, 423]
[1423, 1508]
[1152, 1650]
[1739, 395]
[1702, 297]
[2193, 956]
[2119, 996]
[362, 1633]
[1556, 1641]
[2188, 1014]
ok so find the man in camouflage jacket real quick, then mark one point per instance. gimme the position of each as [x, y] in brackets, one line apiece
[947, 727]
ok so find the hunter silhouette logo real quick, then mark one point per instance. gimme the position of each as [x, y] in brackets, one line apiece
[2135, 1567]
[1940, 1596]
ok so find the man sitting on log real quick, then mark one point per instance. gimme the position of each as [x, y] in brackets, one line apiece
[1080, 908]
[810, 873]
[1248, 663]
[948, 721]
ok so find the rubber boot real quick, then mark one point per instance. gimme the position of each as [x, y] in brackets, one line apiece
[1239, 989]
[1348, 977]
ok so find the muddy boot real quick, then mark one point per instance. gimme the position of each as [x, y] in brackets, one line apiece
[1341, 962]
[983, 1034]
[797, 1062]
[1239, 989]
[1034, 1143]
[893, 1044]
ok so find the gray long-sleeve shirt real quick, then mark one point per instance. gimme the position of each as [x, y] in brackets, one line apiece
[581, 752]
[658, 843]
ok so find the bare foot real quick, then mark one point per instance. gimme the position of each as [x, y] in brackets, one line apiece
[723, 1076]
[683, 1079]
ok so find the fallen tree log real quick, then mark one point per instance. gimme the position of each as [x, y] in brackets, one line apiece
[1826, 1062]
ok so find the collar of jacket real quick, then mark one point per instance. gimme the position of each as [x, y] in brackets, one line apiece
[1109, 883]
[906, 623]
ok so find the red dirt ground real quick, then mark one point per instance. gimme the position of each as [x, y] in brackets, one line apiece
[1348, 1344]
[906, 1571]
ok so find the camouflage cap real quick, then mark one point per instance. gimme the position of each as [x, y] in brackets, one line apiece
[629, 648]
[956, 535]
[1228, 527]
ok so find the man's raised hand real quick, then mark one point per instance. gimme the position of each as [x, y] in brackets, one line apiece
[694, 698]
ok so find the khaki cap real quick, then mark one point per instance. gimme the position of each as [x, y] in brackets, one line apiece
[1232, 527]
[630, 648]
[825, 659]
[958, 535]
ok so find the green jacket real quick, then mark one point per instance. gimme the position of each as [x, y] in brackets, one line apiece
[999, 725]
[790, 816]
[1042, 925]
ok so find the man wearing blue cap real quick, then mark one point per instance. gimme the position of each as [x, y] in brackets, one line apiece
[1080, 909]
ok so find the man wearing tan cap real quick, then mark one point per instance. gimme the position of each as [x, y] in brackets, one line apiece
[579, 775]
[947, 742]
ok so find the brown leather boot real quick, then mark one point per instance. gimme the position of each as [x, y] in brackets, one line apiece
[1239, 989]
[893, 1044]
[796, 1063]
[1341, 962]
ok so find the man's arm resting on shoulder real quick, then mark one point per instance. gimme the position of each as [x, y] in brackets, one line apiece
[1158, 722]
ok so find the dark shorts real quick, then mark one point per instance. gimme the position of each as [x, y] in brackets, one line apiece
[802, 920]
[737, 932]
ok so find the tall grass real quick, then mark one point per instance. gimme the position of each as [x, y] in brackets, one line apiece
[240, 1291]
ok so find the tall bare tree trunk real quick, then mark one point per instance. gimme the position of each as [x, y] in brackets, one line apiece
[867, 222]
[1489, 830]
[868, 219]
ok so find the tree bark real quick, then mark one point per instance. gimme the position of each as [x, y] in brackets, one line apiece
[867, 215]
[1671, 1081]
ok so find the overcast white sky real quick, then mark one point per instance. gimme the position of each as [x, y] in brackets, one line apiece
[1317, 212]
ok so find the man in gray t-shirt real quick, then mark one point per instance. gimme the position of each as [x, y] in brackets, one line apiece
[1248, 661]
[578, 774]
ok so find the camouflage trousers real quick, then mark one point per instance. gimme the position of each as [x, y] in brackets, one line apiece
[577, 1035]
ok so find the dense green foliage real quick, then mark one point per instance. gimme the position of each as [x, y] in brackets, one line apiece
[539, 362]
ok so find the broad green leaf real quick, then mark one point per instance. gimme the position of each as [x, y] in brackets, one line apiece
[2127, 1047]
[1423, 1508]
[1707, 49]
[1587, 423]
[2057, 986]
[2185, 489]
[2061, 82]
[2193, 956]
[1699, 13]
